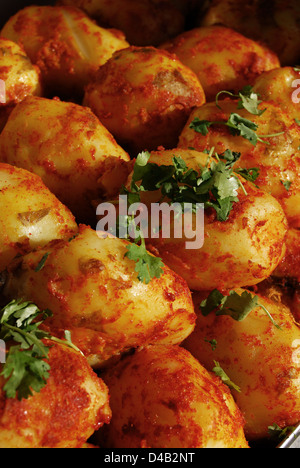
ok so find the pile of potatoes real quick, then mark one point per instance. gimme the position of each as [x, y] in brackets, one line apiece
[89, 86]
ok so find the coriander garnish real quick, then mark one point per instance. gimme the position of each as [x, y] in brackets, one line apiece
[26, 368]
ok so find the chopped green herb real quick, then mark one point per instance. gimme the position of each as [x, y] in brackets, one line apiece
[26, 368]
[147, 266]
[41, 264]
[278, 433]
[235, 305]
[287, 184]
[224, 377]
[213, 343]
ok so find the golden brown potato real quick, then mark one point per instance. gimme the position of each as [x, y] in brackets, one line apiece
[64, 414]
[144, 96]
[161, 397]
[144, 22]
[221, 58]
[281, 85]
[277, 158]
[67, 146]
[275, 23]
[64, 43]
[88, 284]
[31, 216]
[259, 358]
[20, 76]
[243, 250]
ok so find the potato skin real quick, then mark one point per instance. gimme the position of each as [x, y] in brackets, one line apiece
[289, 267]
[88, 284]
[248, 18]
[31, 216]
[67, 146]
[277, 86]
[144, 96]
[144, 22]
[249, 245]
[278, 160]
[16, 70]
[221, 58]
[161, 397]
[41, 421]
[258, 357]
[64, 43]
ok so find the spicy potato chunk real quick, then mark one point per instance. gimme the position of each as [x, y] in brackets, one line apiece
[280, 31]
[31, 216]
[93, 289]
[144, 22]
[67, 146]
[268, 142]
[259, 353]
[162, 397]
[221, 58]
[241, 248]
[21, 78]
[282, 86]
[144, 96]
[64, 43]
[41, 420]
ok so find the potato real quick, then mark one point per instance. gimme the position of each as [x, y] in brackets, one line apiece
[289, 267]
[275, 23]
[144, 96]
[67, 146]
[277, 158]
[281, 85]
[88, 284]
[243, 250]
[221, 58]
[20, 76]
[31, 216]
[144, 22]
[161, 397]
[64, 414]
[64, 43]
[261, 359]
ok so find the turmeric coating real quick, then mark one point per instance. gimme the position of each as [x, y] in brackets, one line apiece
[41, 422]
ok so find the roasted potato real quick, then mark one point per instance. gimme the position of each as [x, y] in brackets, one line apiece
[19, 78]
[282, 86]
[161, 397]
[221, 58]
[16, 70]
[277, 158]
[88, 283]
[144, 96]
[274, 23]
[67, 146]
[261, 359]
[243, 250]
[64, 43]
[31, 216]
[144, 22]
[41, 422]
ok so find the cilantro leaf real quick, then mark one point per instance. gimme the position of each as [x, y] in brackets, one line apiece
[224, 377]
[147, 266]
[26, 368]
[237, 306]
[287, 184]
